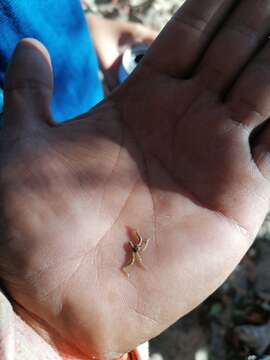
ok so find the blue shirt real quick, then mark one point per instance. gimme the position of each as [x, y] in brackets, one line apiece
[60, 25]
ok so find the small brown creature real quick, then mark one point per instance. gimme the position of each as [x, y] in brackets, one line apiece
[138, 245]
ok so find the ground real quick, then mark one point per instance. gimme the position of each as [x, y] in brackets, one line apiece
[153, 13]
[234, 323]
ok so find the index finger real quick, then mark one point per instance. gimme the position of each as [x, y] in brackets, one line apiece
[187, 35]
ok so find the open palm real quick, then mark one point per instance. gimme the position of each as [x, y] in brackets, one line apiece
[178, 153]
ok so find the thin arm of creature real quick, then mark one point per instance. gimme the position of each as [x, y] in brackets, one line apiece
[131, 244]
[132, 261]
[146, 242]
[140, 261]
[140, 240]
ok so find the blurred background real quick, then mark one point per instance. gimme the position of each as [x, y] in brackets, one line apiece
[153, 13]
[234, 323]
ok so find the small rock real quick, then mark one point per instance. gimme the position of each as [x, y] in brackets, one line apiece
[256, 337]
[156, 357]
[262, 283]
[201, 354]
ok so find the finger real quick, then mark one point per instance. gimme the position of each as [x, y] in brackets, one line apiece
[28, 86]
[240, 37]
[142, 34]
[186, 36]
[249, 99]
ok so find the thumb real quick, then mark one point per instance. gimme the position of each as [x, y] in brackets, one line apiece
[28, 86]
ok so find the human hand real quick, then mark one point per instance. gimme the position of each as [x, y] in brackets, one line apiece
[179, 153]
[111, 38]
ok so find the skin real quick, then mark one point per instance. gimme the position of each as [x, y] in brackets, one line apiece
[111, 38]
[180, 153]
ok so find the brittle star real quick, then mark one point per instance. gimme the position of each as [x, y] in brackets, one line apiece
[138, 245]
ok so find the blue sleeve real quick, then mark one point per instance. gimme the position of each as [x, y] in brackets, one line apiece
[60, 25]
